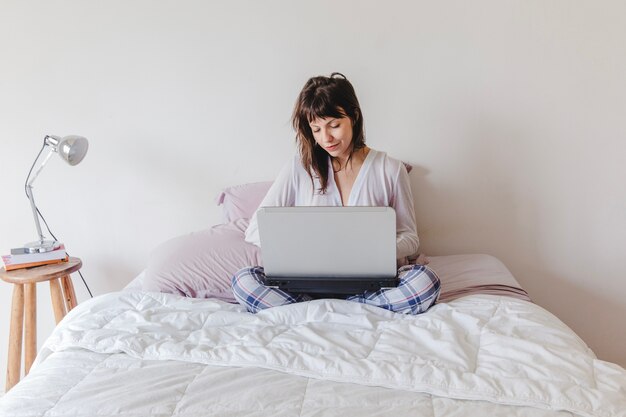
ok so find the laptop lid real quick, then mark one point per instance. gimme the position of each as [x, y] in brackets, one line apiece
[328, 242]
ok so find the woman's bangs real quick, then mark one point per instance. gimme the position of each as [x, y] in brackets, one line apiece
[321, 109]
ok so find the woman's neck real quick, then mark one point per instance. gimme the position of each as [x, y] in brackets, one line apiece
[356, 160]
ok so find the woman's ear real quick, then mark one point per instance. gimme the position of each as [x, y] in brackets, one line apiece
[357, 114]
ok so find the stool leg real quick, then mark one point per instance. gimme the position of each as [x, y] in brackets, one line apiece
[57, 299]
[68, 291]
[15, 337]
[30, 325]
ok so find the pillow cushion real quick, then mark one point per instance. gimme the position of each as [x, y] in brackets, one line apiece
[201, 264]
[241, 201]
[462, 275]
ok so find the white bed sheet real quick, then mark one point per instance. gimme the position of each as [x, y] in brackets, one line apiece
[136, 353]
[83, 383]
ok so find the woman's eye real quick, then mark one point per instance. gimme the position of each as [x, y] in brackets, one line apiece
[316, 130]
[334, 126]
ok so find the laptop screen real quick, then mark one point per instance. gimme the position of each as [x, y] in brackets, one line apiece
[328, 242]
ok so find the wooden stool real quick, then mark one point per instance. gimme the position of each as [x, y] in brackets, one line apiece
[25, 303]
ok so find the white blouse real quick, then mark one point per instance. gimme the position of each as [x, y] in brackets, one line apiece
[381, 181]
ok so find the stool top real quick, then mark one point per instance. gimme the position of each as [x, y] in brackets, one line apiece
[41, 273]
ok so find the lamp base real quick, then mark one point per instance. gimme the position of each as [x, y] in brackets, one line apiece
[41, 246]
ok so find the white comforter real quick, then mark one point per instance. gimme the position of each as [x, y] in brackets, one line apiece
[160, 354]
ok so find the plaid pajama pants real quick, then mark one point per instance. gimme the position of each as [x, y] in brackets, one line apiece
[416, 292]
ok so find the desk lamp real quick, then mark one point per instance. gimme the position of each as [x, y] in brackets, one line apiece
[71, 149]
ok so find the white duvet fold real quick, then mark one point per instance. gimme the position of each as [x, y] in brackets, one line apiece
[479, 347]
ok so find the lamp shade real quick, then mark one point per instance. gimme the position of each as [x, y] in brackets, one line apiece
[73, 149]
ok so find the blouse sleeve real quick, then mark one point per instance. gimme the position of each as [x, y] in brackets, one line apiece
[407, 241]
[282, 193]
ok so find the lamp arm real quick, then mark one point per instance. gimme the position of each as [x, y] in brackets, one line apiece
[31, 179]
[29, 192]
[29, 187]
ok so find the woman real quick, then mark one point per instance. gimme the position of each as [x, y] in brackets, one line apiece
[336, 168]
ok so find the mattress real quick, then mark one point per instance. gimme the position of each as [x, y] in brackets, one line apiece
[134, 353]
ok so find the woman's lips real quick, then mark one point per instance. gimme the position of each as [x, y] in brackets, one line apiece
[332, 147]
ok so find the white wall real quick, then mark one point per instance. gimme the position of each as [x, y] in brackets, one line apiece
[511, 111]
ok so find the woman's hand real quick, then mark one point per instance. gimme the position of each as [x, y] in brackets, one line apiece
[422, 259]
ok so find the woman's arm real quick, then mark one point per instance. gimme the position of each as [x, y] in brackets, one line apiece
[407, 241]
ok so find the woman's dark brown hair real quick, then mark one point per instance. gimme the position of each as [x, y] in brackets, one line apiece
[323, 97]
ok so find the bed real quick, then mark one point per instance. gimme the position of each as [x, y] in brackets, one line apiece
[483, 349]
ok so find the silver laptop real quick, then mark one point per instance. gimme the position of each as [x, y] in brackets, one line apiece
[328, 250]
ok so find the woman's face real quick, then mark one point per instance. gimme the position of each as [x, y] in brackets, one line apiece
[334, 135]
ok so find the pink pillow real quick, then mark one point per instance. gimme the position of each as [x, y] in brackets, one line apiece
[201, 264]
[241, 201]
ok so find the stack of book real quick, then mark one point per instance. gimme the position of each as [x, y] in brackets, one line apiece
[28, 260]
